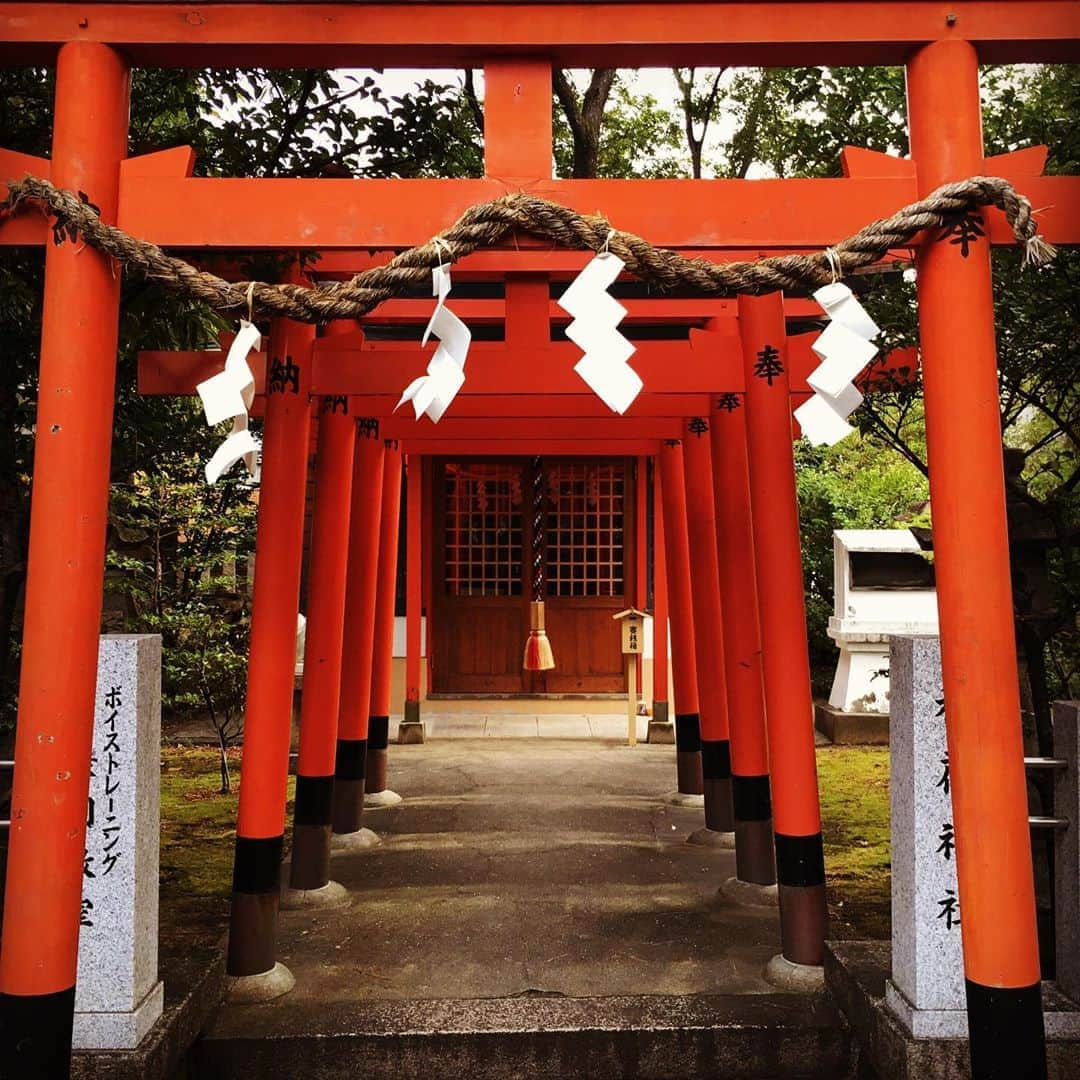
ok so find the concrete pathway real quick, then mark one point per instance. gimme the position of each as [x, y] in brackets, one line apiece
[534, 910]
[478, 725]
[518, 867]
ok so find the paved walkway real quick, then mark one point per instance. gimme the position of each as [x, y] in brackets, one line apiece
[534, 910]
[459, 725]
[529, 867]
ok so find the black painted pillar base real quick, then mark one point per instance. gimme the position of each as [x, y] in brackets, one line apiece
[310, 862]
[800, 873]
[35, 1035]
[755, 855]
[350, 766]
[255, 899]
[716, 771]
[688, 753]
[378, 742]
[1005, 1026]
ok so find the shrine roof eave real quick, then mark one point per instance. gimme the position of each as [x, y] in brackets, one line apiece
[457, 34]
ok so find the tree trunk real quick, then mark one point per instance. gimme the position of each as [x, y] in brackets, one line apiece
[226, 779]
[585, 117]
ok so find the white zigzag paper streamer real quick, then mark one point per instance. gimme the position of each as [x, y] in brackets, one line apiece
[845, 348]
[597, 315]
[231, 393]
[432, 393]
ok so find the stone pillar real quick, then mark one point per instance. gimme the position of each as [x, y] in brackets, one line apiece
[926, 990]
[118, 995]
[1067, 850]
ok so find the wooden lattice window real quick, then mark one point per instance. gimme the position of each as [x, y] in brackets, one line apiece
[484, 523]
[585, 502]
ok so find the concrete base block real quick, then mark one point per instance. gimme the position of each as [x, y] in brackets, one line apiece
[926, 1023]
[377, 799]
[411, 731]
[661, 732]
[681, 798]
[332, 894]
[712, 838]
[118, 1030]
[856, 977]
[749, 893]
[803, 978]
[266, 986]
[361, 840]
[851, 728]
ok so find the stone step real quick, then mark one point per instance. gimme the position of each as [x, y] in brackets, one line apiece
[535, 1035]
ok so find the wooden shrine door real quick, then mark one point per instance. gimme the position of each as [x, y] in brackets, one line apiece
[482, 544]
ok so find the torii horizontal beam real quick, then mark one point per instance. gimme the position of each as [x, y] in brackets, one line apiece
[513, 432]
[707, 362]
[654, 311]
[161, 203]
[543, 406]
[522, 447]
[656, 34]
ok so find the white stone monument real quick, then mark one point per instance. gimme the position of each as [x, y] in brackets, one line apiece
[882, 586]
[118, 995]
[926, 990]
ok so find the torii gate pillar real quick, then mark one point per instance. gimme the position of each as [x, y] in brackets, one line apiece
[789, 711]
[65, 571]
[264, 764]
[691, 784]
[974, 591]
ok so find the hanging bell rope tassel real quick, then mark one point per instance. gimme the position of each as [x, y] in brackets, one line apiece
[538, 654]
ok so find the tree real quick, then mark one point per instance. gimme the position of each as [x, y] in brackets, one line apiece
[699, 108]
[584, 116]
[246, 123]
[177, 557]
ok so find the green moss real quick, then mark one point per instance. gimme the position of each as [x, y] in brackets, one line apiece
[198, 832]
[854, 784]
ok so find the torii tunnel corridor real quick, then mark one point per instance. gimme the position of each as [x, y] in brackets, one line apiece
[530, 884]
[530, 516]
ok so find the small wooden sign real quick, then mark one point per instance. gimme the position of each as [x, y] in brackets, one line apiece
[633, 644]
[633, 630]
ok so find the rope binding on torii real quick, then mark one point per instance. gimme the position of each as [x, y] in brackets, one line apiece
[486, 224]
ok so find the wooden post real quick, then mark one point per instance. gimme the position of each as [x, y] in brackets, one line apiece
[631, 700]
[279, 545]
[328, 564]
[800, 860]
[358, 646]
[660, 605]
[641, 553]
[412, 728]
[382, 669]
[755, 860]
[62, 608]
[683, 658]
[974, 590]
[708, 629]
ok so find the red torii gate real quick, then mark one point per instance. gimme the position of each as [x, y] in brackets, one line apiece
[93, 45]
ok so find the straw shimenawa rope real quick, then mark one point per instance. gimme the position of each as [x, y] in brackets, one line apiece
[486, 224]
